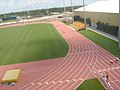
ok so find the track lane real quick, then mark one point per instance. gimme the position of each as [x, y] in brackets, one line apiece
[59, 77]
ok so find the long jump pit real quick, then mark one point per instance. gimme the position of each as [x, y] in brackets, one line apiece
[11, 76]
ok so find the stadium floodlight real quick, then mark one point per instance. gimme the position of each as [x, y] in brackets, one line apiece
[3, 10]
[4, 13]
[119, 25]
[37, 1]
[27, 11]
[24, 10]
[72, 10]
[47, 10]
[64, 6]
[64, 9]
[84, 13]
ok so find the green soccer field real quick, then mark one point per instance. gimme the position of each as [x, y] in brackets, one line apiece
[91, 84]
[30, 43]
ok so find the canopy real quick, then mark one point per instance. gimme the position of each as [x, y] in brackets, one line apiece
[107, 6]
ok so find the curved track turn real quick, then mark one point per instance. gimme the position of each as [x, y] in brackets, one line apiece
[85, 59]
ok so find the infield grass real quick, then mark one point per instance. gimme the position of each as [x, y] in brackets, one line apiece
[108, 44]
[91, 84]
[30, 43]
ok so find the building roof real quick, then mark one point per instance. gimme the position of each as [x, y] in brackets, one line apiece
[107, 6]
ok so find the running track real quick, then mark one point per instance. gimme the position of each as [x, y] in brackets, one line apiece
[84, 60]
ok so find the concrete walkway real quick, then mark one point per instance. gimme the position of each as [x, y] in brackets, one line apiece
[103, 33]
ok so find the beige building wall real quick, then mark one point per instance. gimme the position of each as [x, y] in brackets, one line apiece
[93, 16]
[104, 17]
[111, 18]
[114, 20]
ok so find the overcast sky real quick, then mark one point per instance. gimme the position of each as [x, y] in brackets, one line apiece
[21, 5]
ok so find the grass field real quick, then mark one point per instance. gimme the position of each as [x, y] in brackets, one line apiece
[91, 84]
[106, 43]
[30, 43]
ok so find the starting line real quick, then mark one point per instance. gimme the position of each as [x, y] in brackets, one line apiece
[53, 82]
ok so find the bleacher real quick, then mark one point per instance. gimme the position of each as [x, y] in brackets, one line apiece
[78, 25]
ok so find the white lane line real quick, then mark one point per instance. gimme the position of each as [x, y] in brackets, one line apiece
[112, 68]
[114, 81]
[53, 82]
[94, 71]
[60, 81]
[46, 83]
[74, 80]
[67, 81]
[32, 84]
[39, 83]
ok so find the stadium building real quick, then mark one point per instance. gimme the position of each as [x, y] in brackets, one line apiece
[104, 11]
[104, 15]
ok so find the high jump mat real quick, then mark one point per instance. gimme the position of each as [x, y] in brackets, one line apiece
[11, 76]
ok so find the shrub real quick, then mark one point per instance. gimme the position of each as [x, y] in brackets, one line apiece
[110, 29]
[88, 21]
[78, 18]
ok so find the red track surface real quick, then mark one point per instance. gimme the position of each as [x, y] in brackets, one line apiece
[29, 71]
[84, 60]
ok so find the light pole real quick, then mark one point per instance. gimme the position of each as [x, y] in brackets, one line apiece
[84, 14]
[27, 11]
[64, 6]
[37, 3]
[119, 26]
[3, 10]
[64, 10]
[72, 11]
[4, 13]
[48, 11]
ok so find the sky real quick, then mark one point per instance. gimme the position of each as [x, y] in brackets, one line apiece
[7, 6]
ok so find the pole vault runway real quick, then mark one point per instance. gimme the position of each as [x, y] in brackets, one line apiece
[84, 60]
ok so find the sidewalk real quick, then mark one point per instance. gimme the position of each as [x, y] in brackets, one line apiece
[103, 33]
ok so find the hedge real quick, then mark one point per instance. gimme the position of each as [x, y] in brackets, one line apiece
[110, 29]
[78, 18]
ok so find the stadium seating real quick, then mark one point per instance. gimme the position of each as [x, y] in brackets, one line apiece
[78, 25]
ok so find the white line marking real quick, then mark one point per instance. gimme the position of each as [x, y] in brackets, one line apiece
[74, 80]
[46, 83]
[53, 82]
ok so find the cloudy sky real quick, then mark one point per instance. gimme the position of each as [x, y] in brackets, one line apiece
[21, 5]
